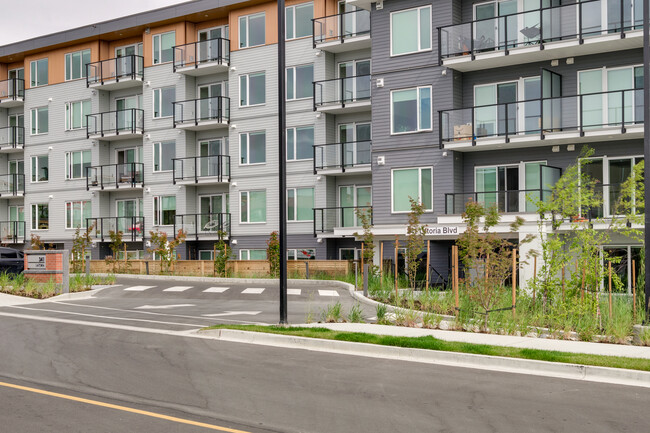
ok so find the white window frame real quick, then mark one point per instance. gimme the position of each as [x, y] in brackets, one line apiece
[158, 211]
[159, 109]
[294, 218]
[419, 127]
[295, 82]
[159, 47]
[248, 36]
[294, 144]
[420, 49]
[248, 208]
[295, 253]
[69, 164]
[69, 67]
[33, 71]
[392, 201]
[34, 173]
[33, 119]
[70, 204]
[34, 223]
[245, 253]
[69, 121]
[292, 25]
[248, 93]
[248, 148]
[159, 163]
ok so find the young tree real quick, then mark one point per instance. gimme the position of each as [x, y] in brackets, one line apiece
[223, 253]
[164, 248]
[414, 240]
[81, 242]
[116, 245]
[364, 216]
[36, 243]
[273, 254]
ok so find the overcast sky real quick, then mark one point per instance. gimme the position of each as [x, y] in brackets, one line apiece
[41, 17]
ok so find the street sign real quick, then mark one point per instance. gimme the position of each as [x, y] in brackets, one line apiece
[36, 261]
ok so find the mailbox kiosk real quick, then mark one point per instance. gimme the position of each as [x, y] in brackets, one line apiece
[42, 266]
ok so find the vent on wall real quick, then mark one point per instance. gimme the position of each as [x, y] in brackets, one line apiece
[379, 5]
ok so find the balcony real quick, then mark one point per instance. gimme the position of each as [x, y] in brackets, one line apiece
[342, 158]
[510, 201]
[114, 74]
[132, 227]
[573, 119]
[202, 114]
[116, 125]
[115, 176]
[12, 93]
[12, 185]
[343, 32]
[577, 29]
[12, 139]
[342, 95]
[203, 170]
[203, 57]
[338, 221]
[207, 226]
[12, 232]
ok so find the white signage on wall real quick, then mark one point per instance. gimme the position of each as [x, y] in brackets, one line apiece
[441, 230]
[36, 261]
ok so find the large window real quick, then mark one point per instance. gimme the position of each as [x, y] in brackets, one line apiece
[415, 183]
[40, 216]
[300, 204]
[298, 20]
[76, 213]
[300, 82]
[40, 169]
[163, 47]
[40, 120]
[75, 64]
[410, 110]
[252, 254]
[75, 114]
[76, 164]
[410, 31]
[162, 102]
[252, 30]
[300, 143]
[301, 254]
[163, 153]
[164, 210]
[38, 73]
[252, 206]
[252, 89]
[252, 147]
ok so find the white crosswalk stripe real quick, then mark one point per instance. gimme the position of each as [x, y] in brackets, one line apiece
[328, 293]
[252, 291]
[295, 292]
[138, 288]
[177, 289]
[216, 290]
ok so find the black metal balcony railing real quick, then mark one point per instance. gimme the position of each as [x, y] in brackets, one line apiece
[197, 53]
[517, 201]
[610, 196]
[206, 224]
[341, 27]
[341, 91]
[12, 89]
[339, 156]
[12, 137]
[206, 109]
[576, 113]
[128, 121]
[194, 168]
[329, 218]
[575, 21]
[12, 184]
[127, 67]
[132, 227]
[127, 175]
[12, 232]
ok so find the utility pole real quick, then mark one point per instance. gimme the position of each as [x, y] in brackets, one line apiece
[282, 122]
[646, 146]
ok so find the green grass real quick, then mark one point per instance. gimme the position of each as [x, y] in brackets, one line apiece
[431, 343]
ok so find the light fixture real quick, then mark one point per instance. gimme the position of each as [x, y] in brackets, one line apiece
[234, 242]
[444, 72]
[233, 126]
[379, 82]
[147, 83]
[50, 148]
[233, 183]
[571, 147]
[381, 160]
[570, 61]
[318, 177]
[49, 99]
[147, 136]
[147, 190]
[319, 115]
[555, 62]
[444, 154]
[50, 197]
[94, 142]
[555, 149]
[318, 53]
[93, 92]
[319, 240]
[147, 30]
[233, 68]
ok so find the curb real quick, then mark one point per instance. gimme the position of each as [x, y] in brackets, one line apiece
[79, 295]
[452, 359]
[290, 282]
[359, 297]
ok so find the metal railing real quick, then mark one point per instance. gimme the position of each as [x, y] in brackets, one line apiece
[340, 27]
[328, 218]
[12, 184]
[517, 201]
[578, 113]
[195, 167]
[12, 137]
[129, 67]
[610, 195]
[12, 89]
[126, 175]
[132, 227]
[205, 109]
[12, 232]
[340, 156]
[196, 53]
[341, 91]
[128, 121]
[206, 224]
[578, 20]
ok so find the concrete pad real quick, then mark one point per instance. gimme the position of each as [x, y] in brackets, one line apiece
[177, 289]
[7, 300]
[252, 291]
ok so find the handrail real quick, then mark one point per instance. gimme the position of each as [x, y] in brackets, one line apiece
[12, 184]
[345, 154]
[13, 88]
[130, 66]
[319, 216]
[346, 90]
[506, 198]
[198, 112]
[211, 226]
[11, 233]
[12, 136]
[196, 171]
[192, 54]
[127, 121]
[131, 226]
[340, 22]
[128, 174]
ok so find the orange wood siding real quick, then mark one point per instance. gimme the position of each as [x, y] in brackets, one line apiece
[56, 61]
[112, 45]
[147, 44]
[271, 23]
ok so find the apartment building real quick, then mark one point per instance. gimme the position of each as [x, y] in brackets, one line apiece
[168, 120]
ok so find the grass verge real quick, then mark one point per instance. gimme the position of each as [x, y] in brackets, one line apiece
[431, 343]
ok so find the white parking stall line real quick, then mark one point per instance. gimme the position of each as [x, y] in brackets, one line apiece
[328, 293]
[177, 289]
[216, 290]
[252, 291]
[138, 288]
[294, 292]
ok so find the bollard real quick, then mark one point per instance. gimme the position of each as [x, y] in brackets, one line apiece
[366, 269]
[146, 266]
[87, 268]
[356, 276]
[306, 269]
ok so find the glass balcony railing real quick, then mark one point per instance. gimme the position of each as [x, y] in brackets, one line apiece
[203, 225]
[341, 91]
[339, 156]
[129, 121]
[132, 227]
[12, 185]
[329, 218]
[194, 111]
[12, 232]
[517, 201]
[12, 137]
[113, 70]
[12, 89]
[195, 168]
[216, 51]
[341, 27]
[128, 175]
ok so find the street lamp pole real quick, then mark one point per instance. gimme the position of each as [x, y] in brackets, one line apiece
[282, 123]
[646, 147]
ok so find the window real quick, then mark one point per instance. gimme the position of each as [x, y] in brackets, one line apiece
[300, 143]
[75, 114]
[76, 213]
[252, 148]
[40, 217]
[252, 30]
[162, 102]
[252, 89]
[163, 153]
[410, 31]
[253, 207]
[301, 254]
[416, 183]
[252, 254]
[40, 120]
[75, 64]
[300, 82]
[300, 204]
[164, 210]
[76, 164]
[410, 110]
[38, 73]
[40, 168]
[298, 20]
[163, 47]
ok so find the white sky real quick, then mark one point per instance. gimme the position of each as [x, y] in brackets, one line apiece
[42, 17]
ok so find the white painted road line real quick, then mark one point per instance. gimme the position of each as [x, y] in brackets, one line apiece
[163, 307]
[233, 313]
[177, 289]
[138, 288]
[252, 291]
[216, 290]
[295, 292]
[328, 293]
